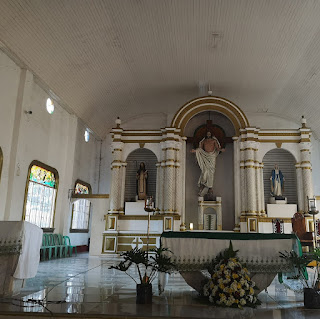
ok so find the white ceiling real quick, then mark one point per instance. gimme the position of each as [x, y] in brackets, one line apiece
[124, 58]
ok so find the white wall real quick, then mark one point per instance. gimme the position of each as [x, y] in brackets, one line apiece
[9, 82]
[56, 140]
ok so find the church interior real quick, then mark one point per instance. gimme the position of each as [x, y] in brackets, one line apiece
[133, 125]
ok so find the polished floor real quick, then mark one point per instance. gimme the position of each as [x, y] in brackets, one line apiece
[85, 287]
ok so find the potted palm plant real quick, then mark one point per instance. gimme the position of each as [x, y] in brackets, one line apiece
[147, 269]
[311, 285]
[163, 264]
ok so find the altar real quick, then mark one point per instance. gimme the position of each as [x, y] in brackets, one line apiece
[259, 252]
[20, 244]
[234, 198]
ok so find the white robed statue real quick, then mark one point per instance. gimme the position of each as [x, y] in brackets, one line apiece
[207, 152]
[277, 182]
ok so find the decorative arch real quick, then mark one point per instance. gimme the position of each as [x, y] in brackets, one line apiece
[210, 103]
[286, 162]
[133, 160]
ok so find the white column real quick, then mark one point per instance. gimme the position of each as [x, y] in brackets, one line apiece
[123, 185]
[170, 184]
[306, 173]
[115, 193]
[183, 181]
[162, 178]
[200, 213]
[237, 186]
[263, 208]
[250, 178]
[243, 182]
[299, 188]
[158, 165]
[258, 180]
[178, 198]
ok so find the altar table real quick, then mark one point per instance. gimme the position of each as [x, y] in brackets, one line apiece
[20, 244]
[259, 252]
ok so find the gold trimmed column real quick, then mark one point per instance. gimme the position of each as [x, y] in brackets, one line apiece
[237, 186]
[116, 165]
[258, 181]
[299, 188]
[158, 188]
[178, 198]
[250, 172]
[170, 183]
[117, 169]
[243, 181]
[123, 185]
[263, 206]
[305, 165]
[183, 181]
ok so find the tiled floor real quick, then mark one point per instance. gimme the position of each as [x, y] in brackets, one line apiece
[86, 286]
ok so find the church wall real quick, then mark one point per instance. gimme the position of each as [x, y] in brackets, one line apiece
[105, 164]
[86, 168]
[56, 140]
[315, 160]
[265, 120]
[9, 82]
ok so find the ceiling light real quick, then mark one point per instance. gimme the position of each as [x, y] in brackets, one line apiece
[50, 106]
[86, 135]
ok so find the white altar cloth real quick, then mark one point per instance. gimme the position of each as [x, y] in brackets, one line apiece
[24, 239]
[198, 246]
[259, 252]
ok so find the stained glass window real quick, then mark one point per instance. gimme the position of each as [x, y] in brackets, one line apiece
[42, 176]
[41, 195]
[81, 189]
[81, 209]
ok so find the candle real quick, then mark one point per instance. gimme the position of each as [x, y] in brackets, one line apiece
[191, 226]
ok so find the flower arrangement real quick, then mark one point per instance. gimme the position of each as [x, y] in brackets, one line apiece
[230, 284]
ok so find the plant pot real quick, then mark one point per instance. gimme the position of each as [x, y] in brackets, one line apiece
[311, 298]
[144, 293]
[163, 278]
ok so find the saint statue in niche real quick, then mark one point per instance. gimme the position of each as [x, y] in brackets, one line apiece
[206, 154]
[277, 182]
[142, 176]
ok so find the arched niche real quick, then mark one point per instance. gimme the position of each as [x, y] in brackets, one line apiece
[210, 103]
[286, 162]
[133, 161]
[224, 174]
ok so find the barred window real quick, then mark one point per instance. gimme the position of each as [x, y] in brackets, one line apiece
[41, 195]
[81, 209]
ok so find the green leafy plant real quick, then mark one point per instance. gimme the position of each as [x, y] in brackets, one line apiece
[160, 261]
[300, 263]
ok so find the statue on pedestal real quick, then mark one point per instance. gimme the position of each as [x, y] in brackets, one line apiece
[207, 152]
[142, 176]
[277, 182]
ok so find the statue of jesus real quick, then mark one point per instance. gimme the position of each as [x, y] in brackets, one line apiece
[207, 152]
[142, 176]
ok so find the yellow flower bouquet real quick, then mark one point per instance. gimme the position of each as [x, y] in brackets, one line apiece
[230, 284]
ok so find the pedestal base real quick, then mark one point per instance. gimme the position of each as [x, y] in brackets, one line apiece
[281, 211]
[275, 200]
